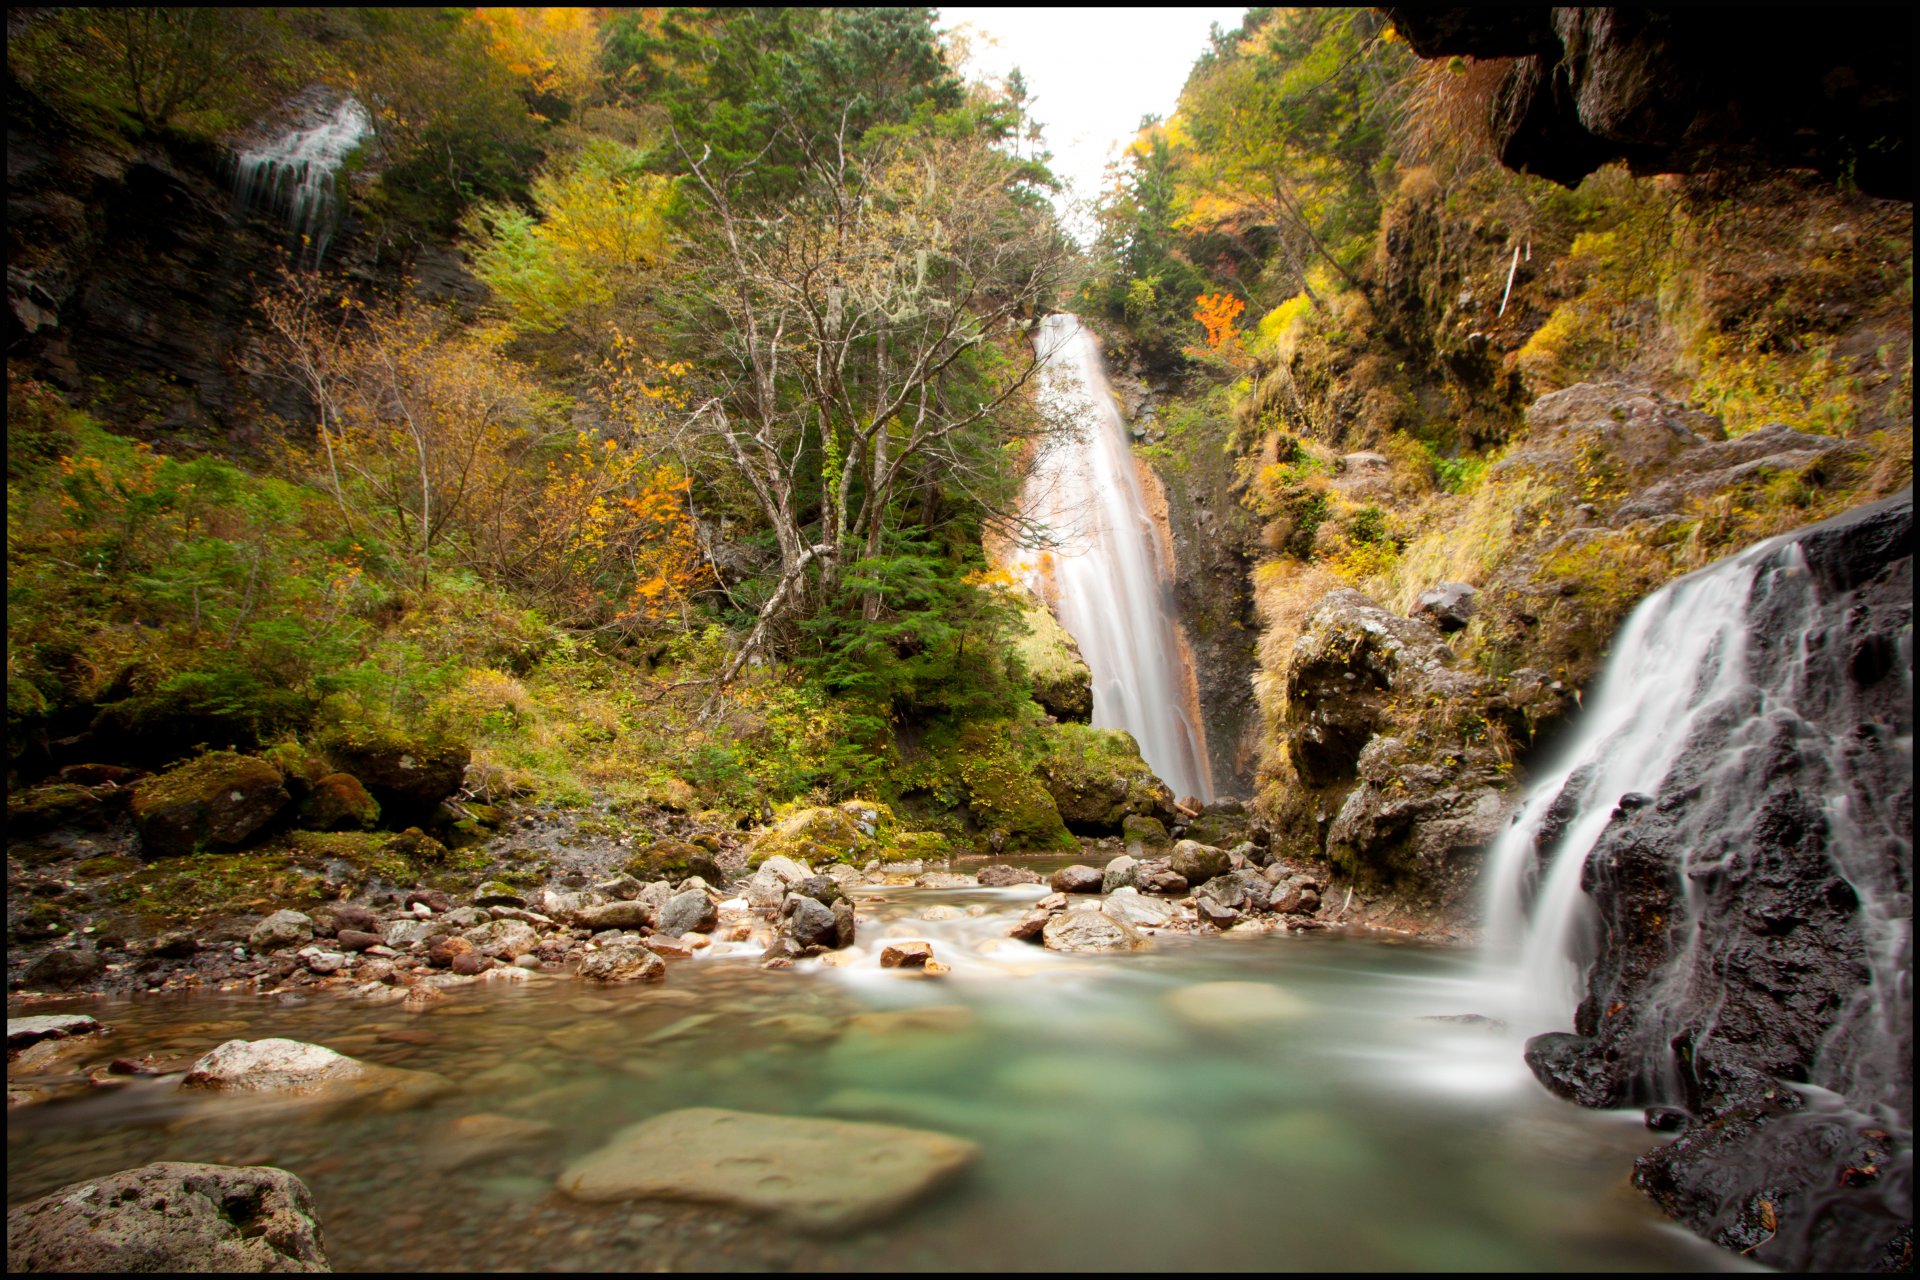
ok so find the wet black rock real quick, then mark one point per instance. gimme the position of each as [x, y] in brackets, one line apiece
[64, 968]
[809, 923]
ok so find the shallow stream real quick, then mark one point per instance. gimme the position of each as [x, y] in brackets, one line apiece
[1318, 1118]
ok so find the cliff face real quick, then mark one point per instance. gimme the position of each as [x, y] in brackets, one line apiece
[1687, 90]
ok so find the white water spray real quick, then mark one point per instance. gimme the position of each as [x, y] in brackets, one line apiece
[292, 173]
[1107, 579]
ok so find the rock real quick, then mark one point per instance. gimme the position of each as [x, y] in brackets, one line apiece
[822, 889]
[216, 801]
[1158, 877]
[408, 778]
[431, 899]
[43, 809]
[1080, 931]
[506, 938]
[22, 1032]
[615, 915]
[1076, 879]
[1030, 926]
[822, 1176]
[332, 917]
[479, 1139]
[668, 948]
[623, 962]
[402, 935]
[170, 1217]
[311, 1072]
[905, 955]
[1144, 834]
[321, 961]
[808, 923]
[65, 968]
[623, 887]
[495, 893]
[442, 952]
[471, 964]
[1215, 913]
[337, 802]
[1448, 606]
[1119, 873]
[944, 880]
[1234, 1006]
[819, 835]
[1130, 905]
[1097, 779]
[465, 917]
[999, 876]
[1062, 683]
[1197, 863]
[844, 923]
[691, 911]
[281, 929]
[1226, 891]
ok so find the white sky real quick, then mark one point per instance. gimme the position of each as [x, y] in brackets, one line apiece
[1092, 72]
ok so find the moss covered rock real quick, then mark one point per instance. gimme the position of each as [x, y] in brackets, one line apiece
[408, 777]
[916, 846]
[60, 805]
[822, 834]
[672, 860]
[1007, 802]
[337, 802]
[1097, 779]
[217, 801]
[1062, 683]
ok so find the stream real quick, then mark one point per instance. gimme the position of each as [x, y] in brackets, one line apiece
[1266, 1102]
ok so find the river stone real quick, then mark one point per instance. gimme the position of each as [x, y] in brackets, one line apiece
[623, 962]
[615, 915]
[905, 955]
[1091, 931]
[1197, 862]
[465, 917]
[786, 870]
[1078, 878]
[999, 875]
[22, 1032]
[1232, 1006]
[820, 1176]
[808, 923]
[295, 1068]
[170, 1217]
[497, 893]
[1029, 927]
[843, 923]
[65, 967]
[281, 929]
[477, 1139]
[822, 889]
[1119, 873]
[944, 880]
[332, 917]
[1155, 876]
[504, 938]
[692, 911]
[1214, 912]
[1137, 909]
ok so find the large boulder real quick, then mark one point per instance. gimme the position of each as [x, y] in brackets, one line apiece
[1196, 862]
[823, 834]
[1062, 683]
[409, 778]
[337, 802]
[1091, 931]
[821, 1176]
[170, 1217]
[1098, 780]
[217, 801]
[689, 911]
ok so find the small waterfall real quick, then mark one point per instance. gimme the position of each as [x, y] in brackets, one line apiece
[1106, 578]
[291, 172]
[1731, 693]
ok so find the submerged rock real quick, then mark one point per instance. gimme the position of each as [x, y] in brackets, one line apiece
[22, 1032]
[1234, 1006]
[821, 1176]
[297, 1069]
[170, 1217]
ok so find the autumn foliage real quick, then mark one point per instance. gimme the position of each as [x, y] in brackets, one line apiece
[1218, 311]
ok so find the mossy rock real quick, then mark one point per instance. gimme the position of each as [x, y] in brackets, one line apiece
[40, 921]
[1005, 799]
[338, 802]
[825, 833]
[409, 777]
[1098, 780]
[672, 860]
[218, 801]
[1221, 830]
[1144, 833]
[1062, 682]
[300, 766]
[911, 846]
[61, 805]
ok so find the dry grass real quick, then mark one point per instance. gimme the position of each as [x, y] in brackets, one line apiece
[1446, 118]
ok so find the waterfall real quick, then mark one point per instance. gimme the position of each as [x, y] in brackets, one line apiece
[1105, 574]
[1768, 684]
[291, 172]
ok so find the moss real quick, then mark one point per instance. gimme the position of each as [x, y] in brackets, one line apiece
[41, 920]
[338, 802]
[1005, 799]
[106, 864]
[910, 846]
[218, 800]
[46, 808]
[1096, 778]
[1062, 683]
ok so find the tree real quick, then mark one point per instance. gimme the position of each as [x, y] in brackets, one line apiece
[866, 331]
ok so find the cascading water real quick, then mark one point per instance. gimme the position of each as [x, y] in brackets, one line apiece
[292, 172]
[1105, 575]
[1747, 755]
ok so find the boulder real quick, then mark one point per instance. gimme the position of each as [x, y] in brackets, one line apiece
[1097, 779]
[1144, 834]
[310, 1072]
[1091, 931]
[822, 889]
[999, 876]
[65, 967]
[691, 911]
[1062, 683]
[615, 915]
[408, 778]
[1449, 606]
[217, 801]
[809, 923]
[505, 938]
[1076, 879]
[1135, 908]
[823, 834]
[1157, 876]
[623, 962]
[282, 929]
[821, 1176]
[1197, 863]
[1119, 873]
[337, 802]
[170, 1217]
[62, 804]
[844, 923]
[22, 1032]
[497, 893]
[331, 917]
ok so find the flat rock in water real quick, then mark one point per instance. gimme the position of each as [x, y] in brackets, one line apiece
[822, 1176]
[1137, 909]
[477, 1139]
[999, 875]
[1091, 931]
[1077, 879]
[22, 1032]
[1233, 1006]
[170, 1217]
[294, 1068]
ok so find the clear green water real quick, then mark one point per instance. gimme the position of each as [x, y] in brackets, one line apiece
[1337, 1131]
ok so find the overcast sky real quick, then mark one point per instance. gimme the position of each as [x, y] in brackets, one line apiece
[1093, 72]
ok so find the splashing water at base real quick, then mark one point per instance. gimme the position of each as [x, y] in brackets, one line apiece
[1107, 580]
[292, 173]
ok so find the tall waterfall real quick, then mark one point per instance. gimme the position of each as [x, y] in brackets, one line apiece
[291, 172]
[1752, 738]
[1105, 575]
